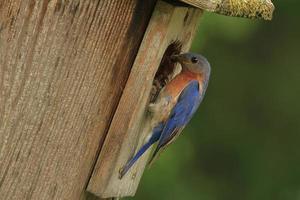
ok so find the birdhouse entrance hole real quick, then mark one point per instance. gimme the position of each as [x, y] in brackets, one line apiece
[166, 70]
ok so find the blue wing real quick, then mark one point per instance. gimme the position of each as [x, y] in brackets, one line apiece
[187, 104]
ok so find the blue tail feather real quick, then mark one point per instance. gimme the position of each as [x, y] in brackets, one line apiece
[154, 138]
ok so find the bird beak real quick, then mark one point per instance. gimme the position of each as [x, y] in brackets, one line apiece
[181, 58]
[174, 58]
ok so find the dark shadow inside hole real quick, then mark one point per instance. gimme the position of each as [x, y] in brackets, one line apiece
[166, 69]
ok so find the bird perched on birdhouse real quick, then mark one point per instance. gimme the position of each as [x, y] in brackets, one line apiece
[175, 105]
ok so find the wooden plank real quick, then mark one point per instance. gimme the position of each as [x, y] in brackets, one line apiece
[89, 196]
[63, 67]
[246, 8]
[127, 131]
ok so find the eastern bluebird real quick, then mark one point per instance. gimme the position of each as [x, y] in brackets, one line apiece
[175, 104]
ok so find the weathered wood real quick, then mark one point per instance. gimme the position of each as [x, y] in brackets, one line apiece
[63, 66]
[89, 196]
[127, 132]
[237, 8]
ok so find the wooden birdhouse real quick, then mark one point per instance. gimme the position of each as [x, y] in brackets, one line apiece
[75, 81]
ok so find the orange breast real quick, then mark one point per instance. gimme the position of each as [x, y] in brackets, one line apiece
[176, 85]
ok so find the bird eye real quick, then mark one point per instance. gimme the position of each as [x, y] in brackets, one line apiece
[194, 60]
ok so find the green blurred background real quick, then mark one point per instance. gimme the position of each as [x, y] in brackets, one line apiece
[244, 142]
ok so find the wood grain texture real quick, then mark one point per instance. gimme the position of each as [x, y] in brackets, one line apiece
[127, 131]
[63, 67]
[262, 9]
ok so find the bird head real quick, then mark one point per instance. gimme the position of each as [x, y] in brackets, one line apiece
[193, 62]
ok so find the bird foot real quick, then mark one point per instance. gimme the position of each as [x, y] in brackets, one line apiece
[152, 107]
